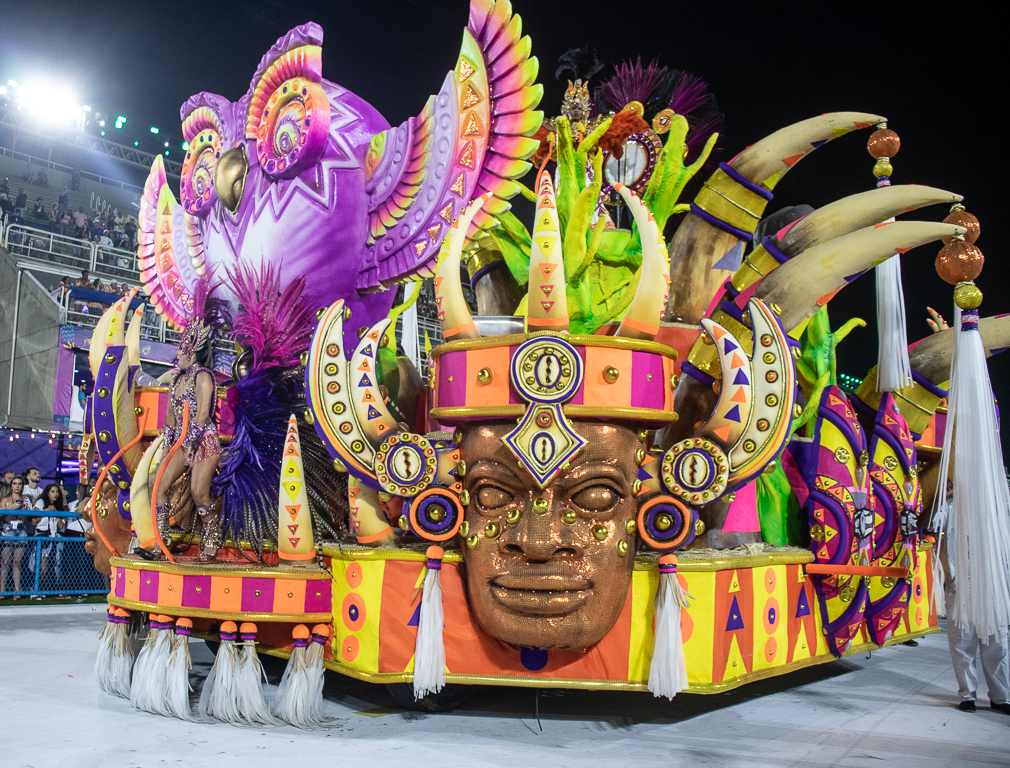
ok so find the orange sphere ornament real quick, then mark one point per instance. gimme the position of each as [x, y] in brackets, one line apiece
[959, 262]
[883, 143]
[960, 217]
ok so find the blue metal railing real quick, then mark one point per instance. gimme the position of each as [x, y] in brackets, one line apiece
[47, 565]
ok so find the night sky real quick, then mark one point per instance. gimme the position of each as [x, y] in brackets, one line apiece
[939, 78]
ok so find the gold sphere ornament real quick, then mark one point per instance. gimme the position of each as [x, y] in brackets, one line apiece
[611, 374]
[961, 218]
[959, 262]
[492, 530]
[568, 517]
[540, 506]
[882, 168]
[883, 143]
[514, 515]
[967, 295]
[622, 548]
[464, 529]
[600, 532]
[473, 541]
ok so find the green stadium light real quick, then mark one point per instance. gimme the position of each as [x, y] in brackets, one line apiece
[166, 153]
[102, 133]
[154, 130]
[185, 145]
[136, 143]
[120, 121]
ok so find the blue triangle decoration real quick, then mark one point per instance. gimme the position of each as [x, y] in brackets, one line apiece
[731, 259]
[735, 620]
[818, 144]
[728, 345]
[802, 609]
[851, 278]
[741, 377]
[733, 414]
[415, 620]
[364, 381]
[643, 474]
[367, 350]
[372, 413]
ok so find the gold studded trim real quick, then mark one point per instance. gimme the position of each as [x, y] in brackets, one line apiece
[174, 610]
[226, 571]
[446, 415]
[575, 339]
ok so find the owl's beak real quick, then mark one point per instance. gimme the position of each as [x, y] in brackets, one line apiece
[229, 177]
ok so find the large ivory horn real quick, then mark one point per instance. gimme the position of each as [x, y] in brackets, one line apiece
[803, 284]
[108, 332]
[646, 310]
[133, 335]
[726, 212]
[834, 220]
[930, 362]
[453, 313]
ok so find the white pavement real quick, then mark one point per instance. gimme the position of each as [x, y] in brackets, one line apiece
[897, 708]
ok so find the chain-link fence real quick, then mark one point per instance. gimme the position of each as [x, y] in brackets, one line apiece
[46, 559]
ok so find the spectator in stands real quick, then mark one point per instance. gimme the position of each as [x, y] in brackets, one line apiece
[39, 209]
[75, 180]
[5, 189]
[80, 222]
[17, 219]
[113, 288]
[54, 218]
[105, 241]
[7, 477]
[43, 178]
[131, 232]
[96, 230]
[32, 491]
[52, 500]
[22, 199]
[64, 201]
[15, 526]
[65, 220]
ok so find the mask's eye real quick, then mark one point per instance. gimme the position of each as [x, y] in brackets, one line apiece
[596, 498]
[289, 119]
[202, 130]
[493, 497]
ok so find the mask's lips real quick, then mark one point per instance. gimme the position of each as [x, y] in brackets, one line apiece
[541, 590]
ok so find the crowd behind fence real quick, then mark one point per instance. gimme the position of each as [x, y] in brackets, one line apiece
[42, 563]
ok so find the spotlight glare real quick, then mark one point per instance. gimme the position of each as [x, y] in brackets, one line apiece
[154, 130]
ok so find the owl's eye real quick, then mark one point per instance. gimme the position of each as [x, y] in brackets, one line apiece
[290, 123]
[202, 131]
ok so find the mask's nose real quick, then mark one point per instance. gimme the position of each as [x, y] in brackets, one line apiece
[229, 177]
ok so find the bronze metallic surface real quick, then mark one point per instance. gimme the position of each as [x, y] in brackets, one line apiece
[962, 218]
[542, 582]
[959, 262]
[229, 177]
[883, 143]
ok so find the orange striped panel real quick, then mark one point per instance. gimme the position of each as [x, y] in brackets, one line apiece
[220, 600]
[289, 596]
[170, 589]
[496, 392]
[597, 390]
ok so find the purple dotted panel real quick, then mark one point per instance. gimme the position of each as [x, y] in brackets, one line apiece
[196, 591]
[258, 595]
[319, 604]
[148, 586]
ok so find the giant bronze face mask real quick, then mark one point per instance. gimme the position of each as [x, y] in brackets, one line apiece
[550, 567]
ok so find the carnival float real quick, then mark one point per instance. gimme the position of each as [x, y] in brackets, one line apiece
[629, 466]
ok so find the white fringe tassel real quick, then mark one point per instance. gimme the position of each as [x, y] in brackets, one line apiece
[150, 673]
[114, 663]
[250, 680]
[177, 687]
[668, 669]
[300, 694]
[219, 699]
[978, 525]
[893, 368]
[429, 649]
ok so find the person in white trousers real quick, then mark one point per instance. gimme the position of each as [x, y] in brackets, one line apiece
[965, 644]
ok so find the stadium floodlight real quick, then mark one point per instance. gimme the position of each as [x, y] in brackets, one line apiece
[154, 130]
[12, 83]
[3, 90]
[85, 107]
[101, 123]
[50, 102]
[166, 143]
[102, 133]
[136, 143]
[185, 145]
[120, 121]
[166, 153]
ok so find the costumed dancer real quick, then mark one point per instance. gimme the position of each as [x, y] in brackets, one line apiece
[192, 390]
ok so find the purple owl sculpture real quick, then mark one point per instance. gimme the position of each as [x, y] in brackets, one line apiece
[305, 176]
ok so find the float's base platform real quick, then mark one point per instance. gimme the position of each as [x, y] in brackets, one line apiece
[753, 615]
